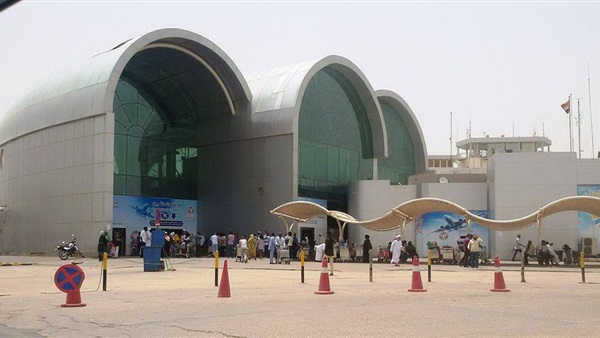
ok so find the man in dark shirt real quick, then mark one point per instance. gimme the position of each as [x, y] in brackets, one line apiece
[329, 252]
[465, 260]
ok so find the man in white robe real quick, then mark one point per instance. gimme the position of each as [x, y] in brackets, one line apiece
[395, 250]
[320, 250]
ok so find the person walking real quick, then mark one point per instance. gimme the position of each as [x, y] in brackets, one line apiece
[396, 250]
[366, 248]
[289, 243]
[231, 245]
[329, 251]
[517, 247]
[252, 247]
[145, 240]
[529, 252]
[243, 244]
[466, 260]
[260, 246]
[272, 248]
[474, 246]
[102, 243]
[214, 243]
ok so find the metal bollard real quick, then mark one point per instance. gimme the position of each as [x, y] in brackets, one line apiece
[302, 266]
[428, 266]
[370, 267]
[216, 268]
[582, 262]
[104, 268]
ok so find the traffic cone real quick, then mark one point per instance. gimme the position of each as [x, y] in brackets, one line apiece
[499, 285]
[324, 288]
[224, 290]
[73, 299]
[417, 284]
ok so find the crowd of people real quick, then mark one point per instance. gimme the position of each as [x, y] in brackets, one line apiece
[278, 247]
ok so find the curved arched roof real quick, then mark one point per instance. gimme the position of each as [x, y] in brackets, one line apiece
[408, 211]
[87, 89]
[281, 90]
[412, 124]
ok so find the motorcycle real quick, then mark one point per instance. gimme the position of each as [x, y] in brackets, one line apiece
[70, 249]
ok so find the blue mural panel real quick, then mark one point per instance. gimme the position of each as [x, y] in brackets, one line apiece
[588, 225]
[445, 228]
[136, 212]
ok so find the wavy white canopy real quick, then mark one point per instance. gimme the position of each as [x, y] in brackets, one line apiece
[301, 211]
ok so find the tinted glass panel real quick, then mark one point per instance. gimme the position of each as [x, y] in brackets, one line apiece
[161, 98]
[334, 138]
[400, 163]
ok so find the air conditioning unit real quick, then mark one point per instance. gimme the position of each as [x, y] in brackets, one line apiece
[589, 246]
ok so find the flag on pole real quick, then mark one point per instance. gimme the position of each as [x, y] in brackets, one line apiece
[566, 106]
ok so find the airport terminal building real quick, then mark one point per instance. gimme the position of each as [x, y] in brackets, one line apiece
[164, 128]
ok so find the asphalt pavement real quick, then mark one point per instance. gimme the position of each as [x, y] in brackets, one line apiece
[269, 300]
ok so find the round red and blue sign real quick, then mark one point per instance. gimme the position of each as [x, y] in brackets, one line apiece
[68, 278]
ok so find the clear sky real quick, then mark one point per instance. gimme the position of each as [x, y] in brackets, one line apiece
[504, 66]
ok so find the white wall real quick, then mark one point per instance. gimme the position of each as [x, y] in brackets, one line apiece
[372, 199]
[56, 182]
[520, 184]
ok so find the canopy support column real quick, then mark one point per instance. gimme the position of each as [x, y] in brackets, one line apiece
[286, 224]
[539, 222]
[468, 226]
[341, 228]
[402, 229]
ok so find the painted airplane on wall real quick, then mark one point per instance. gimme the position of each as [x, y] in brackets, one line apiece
[451, 225]
[142, 211]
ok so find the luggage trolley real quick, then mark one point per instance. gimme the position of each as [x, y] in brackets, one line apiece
[384, 254]
[448, 255]
[483, 256]
[283, 255]
[240, 255]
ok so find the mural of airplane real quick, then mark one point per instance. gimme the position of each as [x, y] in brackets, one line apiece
[143, 211]
[451, 225]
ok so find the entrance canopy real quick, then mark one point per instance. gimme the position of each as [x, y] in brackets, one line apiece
[301, 211]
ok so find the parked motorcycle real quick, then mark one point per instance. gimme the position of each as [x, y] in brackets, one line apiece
[67, 250]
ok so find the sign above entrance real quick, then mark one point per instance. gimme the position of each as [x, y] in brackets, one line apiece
[150, 211]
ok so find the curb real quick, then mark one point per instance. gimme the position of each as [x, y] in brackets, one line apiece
[14, 264]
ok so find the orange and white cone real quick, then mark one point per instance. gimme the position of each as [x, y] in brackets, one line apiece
[324, 288]
[224, 291]
[499, 285]
[417, 284]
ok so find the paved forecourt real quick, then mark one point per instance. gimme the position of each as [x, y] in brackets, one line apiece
[269, 300]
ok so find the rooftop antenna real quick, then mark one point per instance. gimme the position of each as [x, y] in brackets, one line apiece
[451, 165]
[578, 129]
[458, 137]
[543, 130]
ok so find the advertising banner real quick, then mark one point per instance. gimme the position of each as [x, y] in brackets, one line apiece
[134, 212]
[445, 228]
[588, 225]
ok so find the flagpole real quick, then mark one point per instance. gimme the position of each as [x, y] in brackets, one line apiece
[570, 127]
[590, 103]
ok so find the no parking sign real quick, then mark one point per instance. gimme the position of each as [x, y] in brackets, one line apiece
[69, 278]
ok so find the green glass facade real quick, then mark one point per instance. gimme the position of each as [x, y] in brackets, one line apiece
[162, 96]
[400, 163]
[335, 142]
